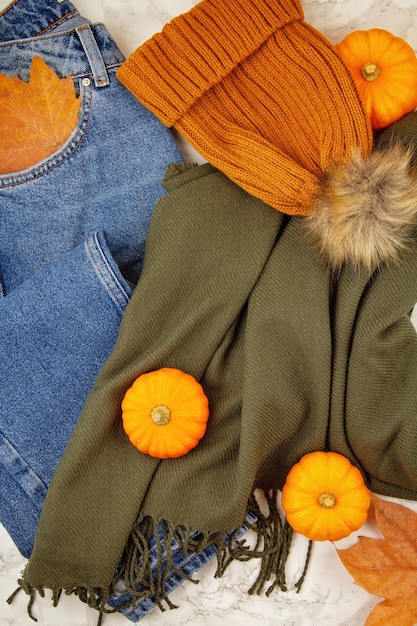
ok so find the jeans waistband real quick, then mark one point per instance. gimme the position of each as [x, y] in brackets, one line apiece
[66, 41]
[23, 19]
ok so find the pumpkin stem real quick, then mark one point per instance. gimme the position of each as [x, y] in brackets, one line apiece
[327, 500]
[161, 415]
[370, 71]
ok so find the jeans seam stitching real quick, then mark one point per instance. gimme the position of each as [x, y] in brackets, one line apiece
[26, 466]
[109, 279]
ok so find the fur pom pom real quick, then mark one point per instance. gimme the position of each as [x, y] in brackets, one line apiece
[365, 209]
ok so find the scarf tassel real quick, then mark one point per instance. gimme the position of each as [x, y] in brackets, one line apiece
[151, 555]
[94, 598]
[155, 552]
[272, 546]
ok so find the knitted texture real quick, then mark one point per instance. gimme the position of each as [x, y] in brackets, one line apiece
[258, 92]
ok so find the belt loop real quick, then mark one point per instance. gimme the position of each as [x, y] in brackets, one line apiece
[91, 49]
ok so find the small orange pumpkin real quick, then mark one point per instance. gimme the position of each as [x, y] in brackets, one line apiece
[325, 497]
[165, 413]
[384, 68]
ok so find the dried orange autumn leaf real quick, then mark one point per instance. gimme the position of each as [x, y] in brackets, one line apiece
[388, 567]
[36, 117]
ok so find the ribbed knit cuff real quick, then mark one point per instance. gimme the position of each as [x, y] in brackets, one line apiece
[198, 49]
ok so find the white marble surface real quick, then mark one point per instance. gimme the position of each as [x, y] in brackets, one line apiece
[328, 597]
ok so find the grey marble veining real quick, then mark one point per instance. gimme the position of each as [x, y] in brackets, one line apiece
[329, 597]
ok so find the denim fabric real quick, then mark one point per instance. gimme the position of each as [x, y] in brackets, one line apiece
[107, 176]
[72, 236]
[56, 330]
[59, 309]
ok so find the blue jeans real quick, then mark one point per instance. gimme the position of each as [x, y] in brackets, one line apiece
[72, 237]
[56, 330]
[106, 177]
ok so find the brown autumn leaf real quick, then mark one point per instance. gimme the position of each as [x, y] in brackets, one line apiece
[388, 567]
[36, 117]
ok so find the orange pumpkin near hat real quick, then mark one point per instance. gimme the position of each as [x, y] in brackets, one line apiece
[265, 98]
[384, 68]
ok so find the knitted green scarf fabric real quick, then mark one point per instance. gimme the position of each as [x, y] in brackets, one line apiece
[291, 358]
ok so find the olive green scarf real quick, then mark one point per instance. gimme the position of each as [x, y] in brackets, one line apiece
[292, 360]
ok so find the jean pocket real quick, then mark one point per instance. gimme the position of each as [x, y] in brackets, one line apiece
[66, 150]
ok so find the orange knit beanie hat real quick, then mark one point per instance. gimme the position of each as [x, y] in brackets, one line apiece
[265, 98]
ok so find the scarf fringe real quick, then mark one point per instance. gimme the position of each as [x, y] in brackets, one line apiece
[31, 592]
[94, 598]
[149, 560]
[140, 579]
[272, 546]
